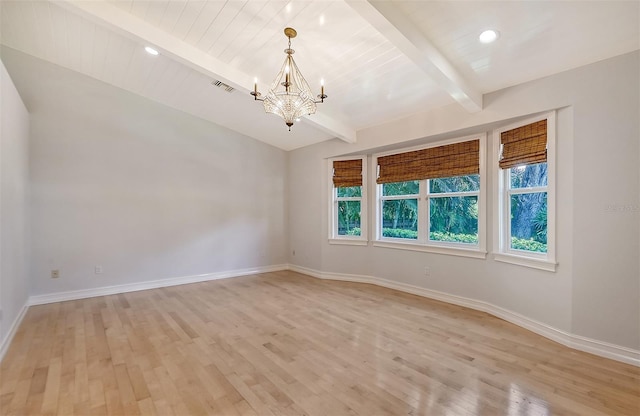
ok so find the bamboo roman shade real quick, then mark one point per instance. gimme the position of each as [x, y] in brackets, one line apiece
[347, 173]
[524, 145]
[436, 162]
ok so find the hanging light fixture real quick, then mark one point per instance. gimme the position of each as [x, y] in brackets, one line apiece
[295, 98]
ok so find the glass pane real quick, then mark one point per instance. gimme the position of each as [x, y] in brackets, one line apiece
[454, 219]
[529, 222]
[401, 188]
[348, 217]
[455, 184]
[528, 176]
[350, 191]
[400, 218]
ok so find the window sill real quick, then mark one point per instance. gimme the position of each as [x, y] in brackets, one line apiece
[348, 242]
[451, 251]
[534, 263]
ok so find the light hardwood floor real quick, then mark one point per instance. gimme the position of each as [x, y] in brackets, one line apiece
[286, 344]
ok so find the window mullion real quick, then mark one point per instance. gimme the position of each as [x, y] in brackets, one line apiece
[454, 194]
[396, 197]
[423, 212]
[507, 202]
[507, 216]
[379, 214]
[518, 191]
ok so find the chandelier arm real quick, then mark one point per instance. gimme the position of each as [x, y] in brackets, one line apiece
[256, 95]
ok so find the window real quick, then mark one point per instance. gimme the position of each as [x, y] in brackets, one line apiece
[430, 199]
[348, 201]
[527, 191]
[526, 172]
[453, 209]
[399, 209]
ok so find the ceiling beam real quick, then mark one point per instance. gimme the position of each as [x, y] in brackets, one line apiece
[126, 24]
[385, 17]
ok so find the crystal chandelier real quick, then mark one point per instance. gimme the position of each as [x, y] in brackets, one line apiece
[295, 98]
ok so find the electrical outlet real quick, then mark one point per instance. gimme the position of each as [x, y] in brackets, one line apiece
[55, 274]
[98, 270]
[427, 271]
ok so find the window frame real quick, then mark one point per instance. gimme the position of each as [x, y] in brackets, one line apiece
[502, 250]
[334, 237]
[423, 242]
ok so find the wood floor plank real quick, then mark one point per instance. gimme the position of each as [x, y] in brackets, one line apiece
[285, 344]
[52, 387]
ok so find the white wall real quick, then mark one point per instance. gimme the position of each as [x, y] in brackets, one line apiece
[607, 214]
[595, 290]
[14, 189]
[306, 208]
[145, 191]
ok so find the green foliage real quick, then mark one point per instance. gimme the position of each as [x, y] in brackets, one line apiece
[401, 188]
[400, 213]
[399, 233]
[528, 245]
[455, 184]
[529, 210]
[448, 215]
[516, 243]
[529, 176]
[540, 226]
[454, 215]
[348, 217]
[454, 238]
[454, 219]
[434, 236]
[349, 191]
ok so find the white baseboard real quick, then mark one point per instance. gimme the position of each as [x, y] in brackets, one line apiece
[153, 284]
[4, 345]
[600, 348]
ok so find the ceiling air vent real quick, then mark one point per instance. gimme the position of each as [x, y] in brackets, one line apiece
[222, 85]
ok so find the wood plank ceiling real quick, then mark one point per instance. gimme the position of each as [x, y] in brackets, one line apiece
[380, 60]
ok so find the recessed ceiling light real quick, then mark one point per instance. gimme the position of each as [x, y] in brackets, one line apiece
[488, 36]
[151, 51]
